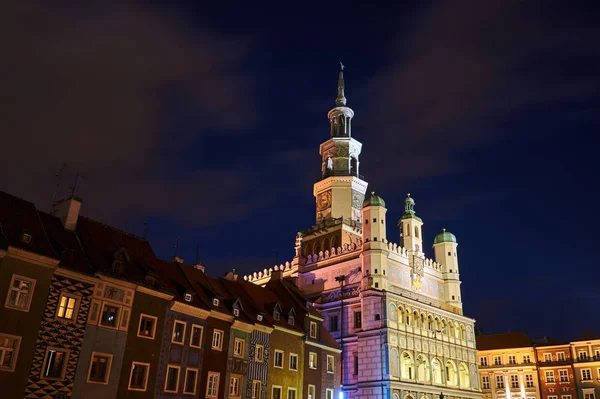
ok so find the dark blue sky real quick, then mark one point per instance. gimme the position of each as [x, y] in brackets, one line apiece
[205, 120]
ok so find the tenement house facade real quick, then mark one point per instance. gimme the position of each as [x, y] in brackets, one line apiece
[397, 314]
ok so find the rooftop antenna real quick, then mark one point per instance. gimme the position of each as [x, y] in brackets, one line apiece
[58, 177]
[145, 230]
[74, 186]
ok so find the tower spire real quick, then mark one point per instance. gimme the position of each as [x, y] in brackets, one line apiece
[340, 101]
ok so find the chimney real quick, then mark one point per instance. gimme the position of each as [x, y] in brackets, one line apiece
[276, 275]
[67, 211]
[177, 259]
[199, 267]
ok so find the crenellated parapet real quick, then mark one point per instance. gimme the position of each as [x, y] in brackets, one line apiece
[286, 268]
[399, 250]
[334, 252]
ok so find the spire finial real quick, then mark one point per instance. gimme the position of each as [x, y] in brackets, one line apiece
[340, 101]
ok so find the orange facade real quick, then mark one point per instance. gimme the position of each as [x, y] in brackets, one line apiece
[556, 375]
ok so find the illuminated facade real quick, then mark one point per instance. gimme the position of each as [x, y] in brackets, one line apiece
[397, 314]
[586, 364]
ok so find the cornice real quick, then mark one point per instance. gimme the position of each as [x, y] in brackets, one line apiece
[240, 325]
[158, 294]
[32, 257]
[74, 275]
[112, 280]
[288, 331]
[189, 310]
[221, 316]
[263, 328]
[325, 347]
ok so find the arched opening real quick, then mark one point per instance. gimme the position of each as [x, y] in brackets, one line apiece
[422, 369]
[395, 396]
[430, 323]
[456, 331]
[423, 321]
[436, 324]
[415, 319]
[407, 317]
[335, 242]
[308, 250]
[326, 246]
[463, 371]
[392, 311]
[417, 231]
[400, 315]
[474, 377]
[317, 248]
[451, 376]
[394, 363]
[408, 396]
[407, 231]
[444, 327]
[407, 366]
[353, 166]
[469, 333]
[463, 332]
[436, 371]
[450, 328]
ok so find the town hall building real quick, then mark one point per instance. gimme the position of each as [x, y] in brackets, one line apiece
[396, 313]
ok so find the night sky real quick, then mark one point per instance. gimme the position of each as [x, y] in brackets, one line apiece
[204, 119]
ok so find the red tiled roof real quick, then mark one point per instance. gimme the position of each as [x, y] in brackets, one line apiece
[503, 341]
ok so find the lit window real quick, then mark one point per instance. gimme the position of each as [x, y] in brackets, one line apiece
[563, 375]
[499, 381]
[529, 380]
[512, 359]
[560, 356]
[312, 360]
[20, 293]
[99, 370]
[278, 359]
[191, 379]
[178, 332]
[483, 361]
[259, 354]
[67, 307]
[547, 357]
[293, 362]
[109, 317]
[196, 337]
[565, 397]
[311, 392]
[212, 387]
[139, 376]
[172, 380]
[217, 340]
[549, 376]
[234, 386]
[291, 393]
[238, 347]
[485, 382]
[329, 394]
[330, 364]
[526, 359]
[586, 375]
[147, 326]
[9, 351]
[497, 360]
[313, 329]
[582, 355]
[55, 363]
[256, 389]
[514, 381]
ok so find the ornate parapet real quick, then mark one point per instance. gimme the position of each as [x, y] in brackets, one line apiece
[333, 252]
[286, 268]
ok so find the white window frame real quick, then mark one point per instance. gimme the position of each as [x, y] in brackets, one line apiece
[178, 368]
[560, 375]
[292, 389]
[497, 360]
[560, 356]
[526, 359]
[67, 353]
[483, 361]
[512, 359]
[219, 346]
[194, 327]
[154, 323]
[292, 356]
[582, 352]
[547, 357]
[332, 364]
[328, 393]
[108, 368]
[274, 387]
[277, 351]
[5, 349]
[215, 384]
[514, 381]
[500, 382]
[175, 323]
[550, 377]
[68, 295]
[313, 329]
[583, 377]
[11, 289]
[146, 375]
[565, 396]
[239, 386]
[261, 358]
[529, 381]
[185, 381]
[255, 393]
[238, 352]
[485, 382]
[311, 354]
[311, 395]
[119, 315]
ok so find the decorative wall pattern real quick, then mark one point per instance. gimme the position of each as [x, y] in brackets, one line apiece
[258, 370]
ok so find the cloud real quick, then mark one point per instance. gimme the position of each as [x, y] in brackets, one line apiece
[93, 84]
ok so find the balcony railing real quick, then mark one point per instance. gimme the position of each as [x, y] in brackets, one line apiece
[595, 358]
[492, 365]
[555, 362]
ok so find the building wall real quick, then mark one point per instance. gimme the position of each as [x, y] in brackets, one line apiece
[521, 369]
[258, 370]
[558, 389]
[589, 362]
[237, 366]
[284, 377]
[25, 325]
[214, 360]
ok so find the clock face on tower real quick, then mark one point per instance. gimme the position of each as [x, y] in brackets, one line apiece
[324, 201]
[357, 199]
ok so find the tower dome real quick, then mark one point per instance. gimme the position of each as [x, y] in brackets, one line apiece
[373, 200]
[444, 236]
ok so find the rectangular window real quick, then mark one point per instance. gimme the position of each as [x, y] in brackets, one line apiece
[547, 357]
[196, 337]
[276, 392]
[586, 375]
[172, 380]
[552, 397]
[20, 293]
[564, 375]
[291, 393]
[191, 379]
[234, 386]
[526, 359]
[67, 307]
[485, 382]
[55, 363]
[178, 332]
[293, 362]
[278, 359]
[138, 379]
[357, 320]
[497, 360]
[512, 359]
[499, 381]
[330, 364]
[355, 364]
[565, 397]
[99, 370]
[560, 356]
[333, 323]
[311, 392]
[147, 326]
[329, 394]
[238, 347]
[312, 360]
[582, 355]
[9, 351]
[597, 354]
[588, 395]
[313, 329]
[529, 380]
[212, 387]
[259, 354]
[549, 376]
[256, 389]
[483, 361]
[514, 381]
[217, 340]
[109, 316]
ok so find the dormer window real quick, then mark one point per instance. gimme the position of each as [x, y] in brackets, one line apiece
[187, 297]
[291, 320]
[259, 317]
[276, 315]
[236, 312]
[215, 302]
[117, 267]
[26, 238]
[150, 281]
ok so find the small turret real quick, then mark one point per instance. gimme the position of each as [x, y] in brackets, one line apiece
[373, 217]
[444, 246]
[410, 226]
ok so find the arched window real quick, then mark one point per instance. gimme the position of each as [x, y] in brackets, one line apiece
[392, 311]
[308, 250]
[407, 230]
[422, 368]
[465, 381]
[444, 327]
[395, 396]
[463, 332]
[394, 363]
[417, 231]
[430, 323]
[436, 324]
[457, 331]
[451, 376]
[423, 321]
[474, 377]
[400, 315]
[317, 248]
[436, 371]
[326, 246]
[450, 328]
[407, 366]
[469, 333]
[416, 319]
[353, 166]
[407, 315]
